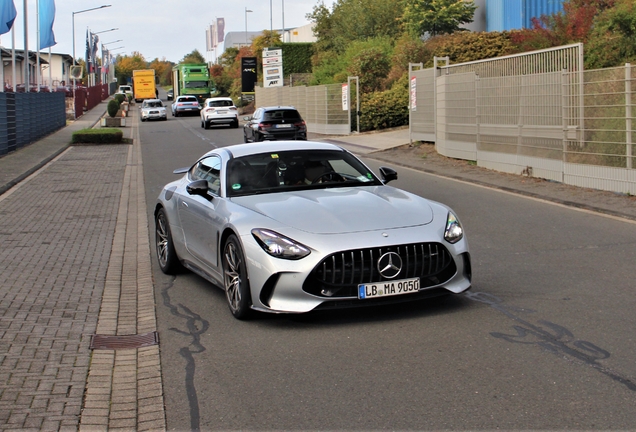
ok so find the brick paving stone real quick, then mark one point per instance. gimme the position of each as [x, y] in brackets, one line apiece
[56, 241]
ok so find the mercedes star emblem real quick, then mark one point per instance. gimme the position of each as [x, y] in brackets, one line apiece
[390, 265]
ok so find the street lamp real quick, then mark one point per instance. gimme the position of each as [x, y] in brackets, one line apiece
[73, 27]
[105, 31]
[108, 43]
[246, 11]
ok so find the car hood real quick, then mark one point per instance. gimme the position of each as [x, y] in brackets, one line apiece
[342, 210]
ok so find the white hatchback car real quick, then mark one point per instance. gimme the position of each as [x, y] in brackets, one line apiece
[153, 109]
[219, 110]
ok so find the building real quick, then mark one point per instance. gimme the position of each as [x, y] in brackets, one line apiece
[517, 14]
[52, 73]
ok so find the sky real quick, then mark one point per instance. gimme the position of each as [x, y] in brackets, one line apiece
[163, 29]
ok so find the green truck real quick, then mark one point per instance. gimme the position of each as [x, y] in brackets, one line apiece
[192, 79]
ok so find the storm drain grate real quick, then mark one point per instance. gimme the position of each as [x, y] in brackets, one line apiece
[113, 342]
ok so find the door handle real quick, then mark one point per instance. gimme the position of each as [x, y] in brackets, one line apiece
[185, 204]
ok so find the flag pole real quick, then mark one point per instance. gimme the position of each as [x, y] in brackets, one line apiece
[38, 71]
[26, 48]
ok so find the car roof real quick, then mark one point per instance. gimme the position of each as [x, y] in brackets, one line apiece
[152, 100]
[239, 150]
[219, 98]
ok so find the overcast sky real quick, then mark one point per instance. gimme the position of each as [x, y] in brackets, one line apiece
[161, 29]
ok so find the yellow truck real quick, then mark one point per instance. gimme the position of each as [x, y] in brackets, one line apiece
[144, 86]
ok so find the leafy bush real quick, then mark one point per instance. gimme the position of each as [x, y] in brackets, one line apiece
[98, 136]
[120, 97]
[112, 107]
[371, 66]
[386, 109]
[467, 46]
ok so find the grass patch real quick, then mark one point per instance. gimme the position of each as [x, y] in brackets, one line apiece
[99, 136]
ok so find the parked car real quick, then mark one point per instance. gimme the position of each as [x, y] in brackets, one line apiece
[126, 89]
[185, 105]
[153, 109]
[170, 94]
[219, 110]
[274, 123]
[288, 226]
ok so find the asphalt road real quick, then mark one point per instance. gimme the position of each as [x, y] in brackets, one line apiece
[544, 340]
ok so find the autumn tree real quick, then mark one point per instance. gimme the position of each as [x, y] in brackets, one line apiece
[163, 70]
[125, 65]
[436, 17]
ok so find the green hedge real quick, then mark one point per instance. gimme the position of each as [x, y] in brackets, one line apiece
[98, 136]
[386, 109]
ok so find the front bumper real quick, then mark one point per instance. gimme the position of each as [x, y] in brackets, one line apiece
[283, 286]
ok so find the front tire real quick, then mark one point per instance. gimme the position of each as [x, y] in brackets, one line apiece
[236, 282]
[166, 254]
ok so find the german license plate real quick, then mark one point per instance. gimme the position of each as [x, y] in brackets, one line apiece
[388, 288]
[280, 126]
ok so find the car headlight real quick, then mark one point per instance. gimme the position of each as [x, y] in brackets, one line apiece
[454, 231]
[278, 245]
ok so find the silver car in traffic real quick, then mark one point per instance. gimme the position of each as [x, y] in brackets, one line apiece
[289, 226]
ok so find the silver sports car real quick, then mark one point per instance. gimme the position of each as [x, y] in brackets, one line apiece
[289, 226]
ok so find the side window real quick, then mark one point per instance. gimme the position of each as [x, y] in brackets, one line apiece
[209, 169]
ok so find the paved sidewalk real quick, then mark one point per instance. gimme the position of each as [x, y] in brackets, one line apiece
[79, 347]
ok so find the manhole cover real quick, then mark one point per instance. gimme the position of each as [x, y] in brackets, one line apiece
[113, 342]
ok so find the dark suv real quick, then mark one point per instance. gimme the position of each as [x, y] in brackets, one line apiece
[274, 123]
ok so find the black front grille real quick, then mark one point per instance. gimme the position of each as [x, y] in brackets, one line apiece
[339, 274]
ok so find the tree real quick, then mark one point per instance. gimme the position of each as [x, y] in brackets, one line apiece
[125, 65]
[194, 57]
[353, 20]
[163, 70]
[267, 39]
[436, 17]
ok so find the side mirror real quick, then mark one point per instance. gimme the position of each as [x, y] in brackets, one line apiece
[388, 174]
[198, 187]
[248, 118]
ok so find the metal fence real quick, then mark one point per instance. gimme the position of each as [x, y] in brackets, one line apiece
[320, 106]
[537, 114]
[27, 117]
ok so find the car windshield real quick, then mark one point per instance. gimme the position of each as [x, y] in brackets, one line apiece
[188, 99]
[220, 103]
[281, 115]
[196, 84]
[154, 104]
[295, 170]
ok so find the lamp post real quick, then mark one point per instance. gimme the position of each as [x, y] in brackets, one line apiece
[105, 31]
[246, 11]
[73, 27]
